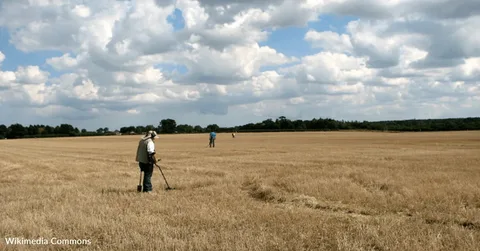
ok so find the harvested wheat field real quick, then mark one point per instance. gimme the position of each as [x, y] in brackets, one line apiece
[265, 191]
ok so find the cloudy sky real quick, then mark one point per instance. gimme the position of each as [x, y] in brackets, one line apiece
[96, 63]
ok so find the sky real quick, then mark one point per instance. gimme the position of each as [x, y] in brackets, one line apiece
[112, 63]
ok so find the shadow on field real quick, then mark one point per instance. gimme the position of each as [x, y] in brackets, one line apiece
[461, 223]
[262, 192]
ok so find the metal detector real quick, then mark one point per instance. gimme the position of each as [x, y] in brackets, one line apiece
[168, 186]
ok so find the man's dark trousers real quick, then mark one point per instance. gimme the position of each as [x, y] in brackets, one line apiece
[147, 169]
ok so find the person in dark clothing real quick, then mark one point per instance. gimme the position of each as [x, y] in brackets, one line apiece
[146, 158]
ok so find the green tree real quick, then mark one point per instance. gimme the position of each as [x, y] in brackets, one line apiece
[140, 129]
[3, 131]
[167, 126]
[32, 130]
[16, 131]
[150, 128]
[49, 130]
[213, 127]
[184, 128]
[64, 129]
[198, 129]
[299, 125]
[269, 124]
[284, 123]
[127, 130]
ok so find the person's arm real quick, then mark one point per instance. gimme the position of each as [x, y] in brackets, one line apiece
[151, 151]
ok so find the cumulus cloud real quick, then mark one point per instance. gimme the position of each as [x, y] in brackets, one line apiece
[330, 41]
[330, 68]
[235, 63]
[125, 59]
[64, 62]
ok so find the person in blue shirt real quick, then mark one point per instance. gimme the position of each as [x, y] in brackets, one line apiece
[213, 135]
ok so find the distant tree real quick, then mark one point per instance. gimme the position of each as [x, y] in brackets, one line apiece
[126, 130]
[41, 130]
[49, 130]
[140, 129]
[32, 130]
[3, 131]
[281, 123]
[149, 128]
[331, 124]
[167, 126]
[269, 124]
[16, 131]
[198, 129]
[299, 125]
[184, 128]
[64, 129]
[284, 123]
[213, 127]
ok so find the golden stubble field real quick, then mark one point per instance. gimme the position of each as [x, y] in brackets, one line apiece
[268, 191]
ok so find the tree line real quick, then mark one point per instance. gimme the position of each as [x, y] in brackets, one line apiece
[170, 126]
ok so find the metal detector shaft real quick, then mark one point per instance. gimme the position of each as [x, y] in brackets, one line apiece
[168, 186]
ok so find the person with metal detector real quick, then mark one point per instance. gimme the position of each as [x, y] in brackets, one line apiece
[213, 135]
[146, 159]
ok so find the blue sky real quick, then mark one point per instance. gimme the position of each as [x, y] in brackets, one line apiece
[290, 40]
[15, 57]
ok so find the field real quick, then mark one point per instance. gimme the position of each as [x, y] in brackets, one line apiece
[268, 191]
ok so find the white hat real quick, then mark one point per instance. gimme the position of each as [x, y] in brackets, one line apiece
[151, 134]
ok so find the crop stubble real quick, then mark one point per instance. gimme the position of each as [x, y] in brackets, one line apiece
[258, 191]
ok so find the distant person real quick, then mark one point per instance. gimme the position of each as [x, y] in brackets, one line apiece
[146, 158]
[233, 135]
[213, 136]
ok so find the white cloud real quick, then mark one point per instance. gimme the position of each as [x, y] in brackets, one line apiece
[62, 63]
[329, 41]
[81, 11]
[7, 78]
[31, 75]
[400, 59]
[235, 63]
[133, 111]
[330, 68]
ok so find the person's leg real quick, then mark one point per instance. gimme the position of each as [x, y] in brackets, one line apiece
[213, 143]
[210, 143]
[147, 178]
